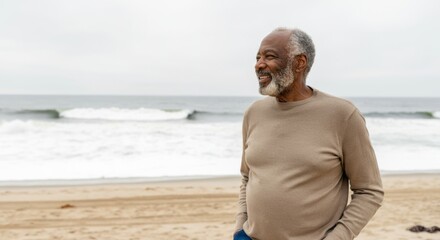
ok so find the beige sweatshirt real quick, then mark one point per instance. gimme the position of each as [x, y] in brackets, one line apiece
[299, 159]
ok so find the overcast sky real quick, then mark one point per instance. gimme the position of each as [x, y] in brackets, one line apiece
[203, 47]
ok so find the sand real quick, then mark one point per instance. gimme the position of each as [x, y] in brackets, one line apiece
[186, 209]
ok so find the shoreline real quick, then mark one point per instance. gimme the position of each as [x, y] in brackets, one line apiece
[107, 181]
[144, 180]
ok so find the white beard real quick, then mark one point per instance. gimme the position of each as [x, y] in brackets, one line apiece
[272, 89]
[280, 82]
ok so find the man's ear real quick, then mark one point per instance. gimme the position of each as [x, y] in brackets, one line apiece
[300, 62]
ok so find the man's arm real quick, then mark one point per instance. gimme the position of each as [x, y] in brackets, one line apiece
[241, 216]
[360, 166]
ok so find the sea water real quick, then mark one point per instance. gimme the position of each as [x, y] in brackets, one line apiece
[107, 137]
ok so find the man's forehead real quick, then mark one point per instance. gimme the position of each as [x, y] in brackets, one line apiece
[264, 50]
[276, 41]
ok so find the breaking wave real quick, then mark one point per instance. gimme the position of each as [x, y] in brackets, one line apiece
[122, 114]
[412, 115]
[153, 114]
[118, 114]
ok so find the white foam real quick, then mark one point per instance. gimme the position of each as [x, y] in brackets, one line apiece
[84, 150]
[16, 126]
[408, 158]
[436, 114]
[121, 114]
[406, 144]
[44, 150]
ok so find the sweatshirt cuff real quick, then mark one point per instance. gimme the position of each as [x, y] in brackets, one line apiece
[239, 221]
[340, 232]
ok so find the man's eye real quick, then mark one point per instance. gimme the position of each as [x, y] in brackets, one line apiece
[270, 56]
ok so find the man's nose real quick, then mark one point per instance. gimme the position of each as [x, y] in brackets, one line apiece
[260, 65]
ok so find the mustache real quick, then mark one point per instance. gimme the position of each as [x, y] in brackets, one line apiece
[263, 72]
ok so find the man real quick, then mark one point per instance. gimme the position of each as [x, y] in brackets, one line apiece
[302, 150]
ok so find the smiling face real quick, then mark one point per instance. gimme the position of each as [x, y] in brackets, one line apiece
[273, 68]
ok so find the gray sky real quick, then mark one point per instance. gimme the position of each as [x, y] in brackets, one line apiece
[202, 47]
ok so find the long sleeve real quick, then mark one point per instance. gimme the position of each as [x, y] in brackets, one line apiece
[241, 216]
[360, 167]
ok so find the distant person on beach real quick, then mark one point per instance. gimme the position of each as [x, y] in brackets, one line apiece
[302, 151]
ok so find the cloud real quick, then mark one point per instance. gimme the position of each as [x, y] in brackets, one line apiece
[197, 47]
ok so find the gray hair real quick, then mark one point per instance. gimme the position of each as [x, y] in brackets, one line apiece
[300, 43]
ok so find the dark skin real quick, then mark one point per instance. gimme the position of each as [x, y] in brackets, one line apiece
[273, 56]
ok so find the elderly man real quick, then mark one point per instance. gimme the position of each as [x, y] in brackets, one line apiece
[302, 150]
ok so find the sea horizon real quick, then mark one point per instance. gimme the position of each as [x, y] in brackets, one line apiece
[192, 95]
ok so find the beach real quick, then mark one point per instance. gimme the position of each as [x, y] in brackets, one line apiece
[185, 209]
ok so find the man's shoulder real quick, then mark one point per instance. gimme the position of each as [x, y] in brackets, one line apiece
[258, 107]
[336, 103]
[260, 103]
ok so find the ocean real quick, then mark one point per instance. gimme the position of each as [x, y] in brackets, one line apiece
[55, 138]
